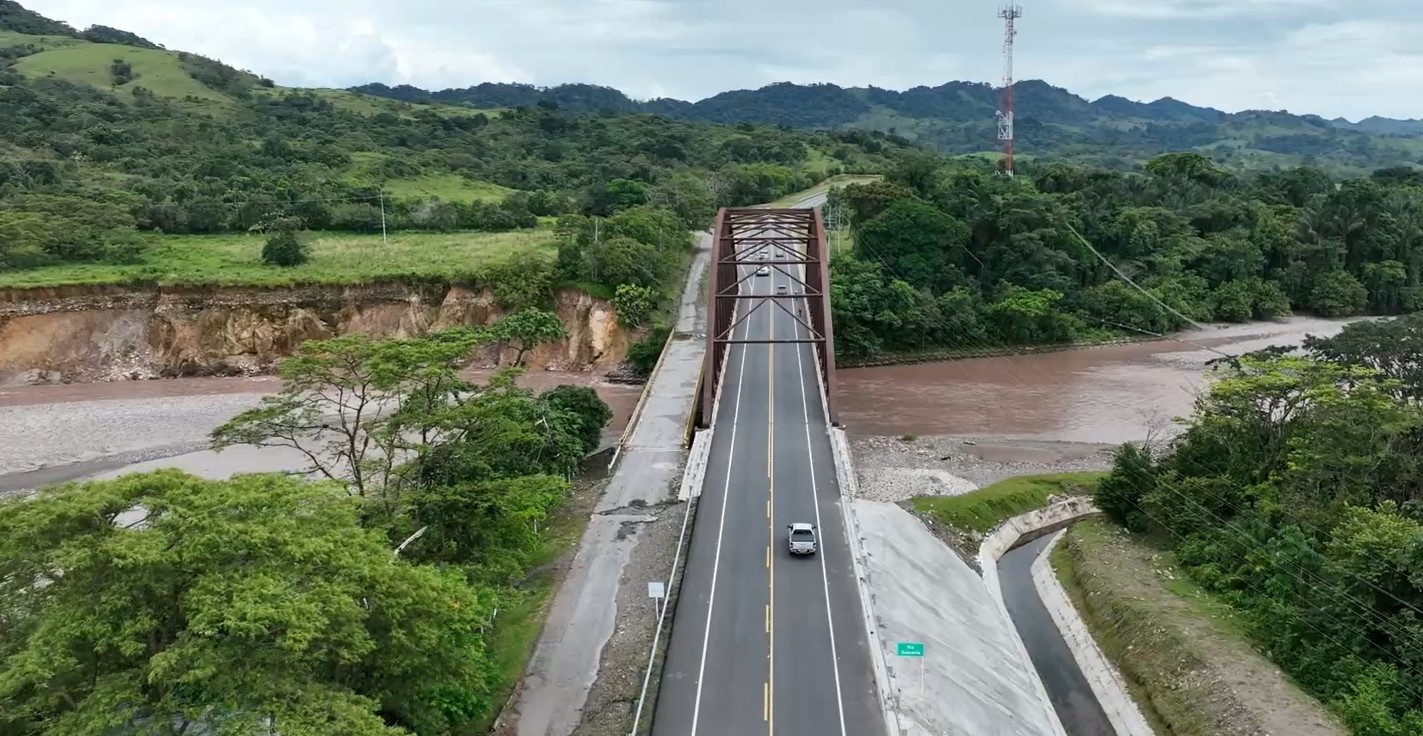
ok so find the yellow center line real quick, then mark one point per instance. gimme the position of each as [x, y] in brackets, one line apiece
[770, 709]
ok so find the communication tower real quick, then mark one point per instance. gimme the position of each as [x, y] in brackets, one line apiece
[1009, 14]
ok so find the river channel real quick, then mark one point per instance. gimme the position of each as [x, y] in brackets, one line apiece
[1109, 394]
[1106, 394]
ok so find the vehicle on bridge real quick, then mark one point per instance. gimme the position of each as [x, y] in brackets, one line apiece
[802, 539]
[763, 271]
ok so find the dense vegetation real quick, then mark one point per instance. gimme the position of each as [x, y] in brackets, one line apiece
[952, 256]
[102, 143]
[372, 602]
[1296, 493]
[959, 117]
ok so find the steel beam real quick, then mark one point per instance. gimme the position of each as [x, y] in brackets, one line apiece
[792, 237]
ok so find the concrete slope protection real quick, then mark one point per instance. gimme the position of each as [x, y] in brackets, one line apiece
[763, 642]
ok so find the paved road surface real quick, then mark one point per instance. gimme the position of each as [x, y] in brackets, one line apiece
[1067, 688]
[763, 642]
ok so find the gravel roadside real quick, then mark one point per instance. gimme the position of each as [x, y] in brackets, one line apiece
[894, 469]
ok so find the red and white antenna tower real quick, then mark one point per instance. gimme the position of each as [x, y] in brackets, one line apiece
[1009, 14]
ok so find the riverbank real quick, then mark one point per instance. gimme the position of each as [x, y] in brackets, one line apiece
[938, 356]
[1182, 653]
[64, 432]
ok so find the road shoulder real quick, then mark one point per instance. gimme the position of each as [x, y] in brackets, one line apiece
[1183, 654]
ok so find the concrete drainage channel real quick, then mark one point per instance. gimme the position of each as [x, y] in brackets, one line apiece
[979, 673]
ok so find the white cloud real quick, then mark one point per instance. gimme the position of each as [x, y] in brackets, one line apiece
[1332, 57]
[1203, 9]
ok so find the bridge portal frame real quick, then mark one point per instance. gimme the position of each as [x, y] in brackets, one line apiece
[792, 237]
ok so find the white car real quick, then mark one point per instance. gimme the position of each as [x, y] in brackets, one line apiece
[801, 540]
[781, 289]
[763, 271]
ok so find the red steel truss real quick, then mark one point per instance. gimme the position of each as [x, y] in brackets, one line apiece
[791, 238]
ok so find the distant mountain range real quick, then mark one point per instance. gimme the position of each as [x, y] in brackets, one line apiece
[959, 117]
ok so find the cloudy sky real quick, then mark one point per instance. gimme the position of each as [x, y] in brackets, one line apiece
[1350, 58]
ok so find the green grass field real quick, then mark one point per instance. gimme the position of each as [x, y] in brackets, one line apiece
[986, 508]
[236, 260]
[88, 63]
[842, 180]
[448, 187]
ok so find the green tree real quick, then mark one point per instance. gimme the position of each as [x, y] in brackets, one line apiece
[525, 330]
[286, 248]
[622, 260]
[1338, 294]
[634, 304]
[592, 412]
[914, 242]
[225, 607]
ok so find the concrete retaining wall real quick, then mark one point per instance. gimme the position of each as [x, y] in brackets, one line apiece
[1007, 536]
[1105, 680]
[845, 476]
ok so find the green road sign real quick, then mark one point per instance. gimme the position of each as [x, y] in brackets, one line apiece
[910, 649]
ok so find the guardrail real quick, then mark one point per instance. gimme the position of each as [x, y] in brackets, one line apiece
[641, 401]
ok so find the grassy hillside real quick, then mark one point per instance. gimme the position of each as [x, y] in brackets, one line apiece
[959, 118]
[82, 62]
[106, 138]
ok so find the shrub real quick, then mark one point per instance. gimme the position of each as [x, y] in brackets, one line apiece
[286, 248]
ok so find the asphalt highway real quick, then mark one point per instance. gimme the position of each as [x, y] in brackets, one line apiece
[763, 642]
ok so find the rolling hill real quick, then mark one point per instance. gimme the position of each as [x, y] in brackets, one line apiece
[959, 117]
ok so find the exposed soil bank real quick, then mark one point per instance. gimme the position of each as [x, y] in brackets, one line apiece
[1182, 654]
[97, 333]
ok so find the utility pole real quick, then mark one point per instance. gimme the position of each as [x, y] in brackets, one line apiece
[382, 218]
[1009, 14]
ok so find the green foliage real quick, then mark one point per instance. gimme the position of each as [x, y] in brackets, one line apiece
[634, 304]
[642, 355]
[286, 248]
[984, 509]
[1110, 131]
[188, 145]
[1119, 494]
[525, 330]
[1291, 494]
[592, 412]
[947, 255]
[231, 604]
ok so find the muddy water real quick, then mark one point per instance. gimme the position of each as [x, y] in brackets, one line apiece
[1108, 394]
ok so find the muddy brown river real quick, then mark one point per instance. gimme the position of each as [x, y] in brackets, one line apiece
[1103, 395]
[1109, 394]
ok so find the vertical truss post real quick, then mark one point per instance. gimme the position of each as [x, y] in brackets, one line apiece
[787, 240]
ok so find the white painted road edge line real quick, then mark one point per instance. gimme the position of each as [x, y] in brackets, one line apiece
[815, 498]
[720, 531]
[1105, 680]
[849, 487]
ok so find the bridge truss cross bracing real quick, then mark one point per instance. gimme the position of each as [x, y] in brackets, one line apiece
[792, 242]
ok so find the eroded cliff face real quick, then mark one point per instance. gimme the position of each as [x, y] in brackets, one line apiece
[105, 333]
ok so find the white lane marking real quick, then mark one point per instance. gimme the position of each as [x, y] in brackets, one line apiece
[721, 528]
[815, 494]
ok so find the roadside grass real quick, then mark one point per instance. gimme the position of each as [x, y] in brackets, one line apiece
[83, 62]
[984, 509]
[336, 258]
[824, 186]
[516, 629]
[1184, 654]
